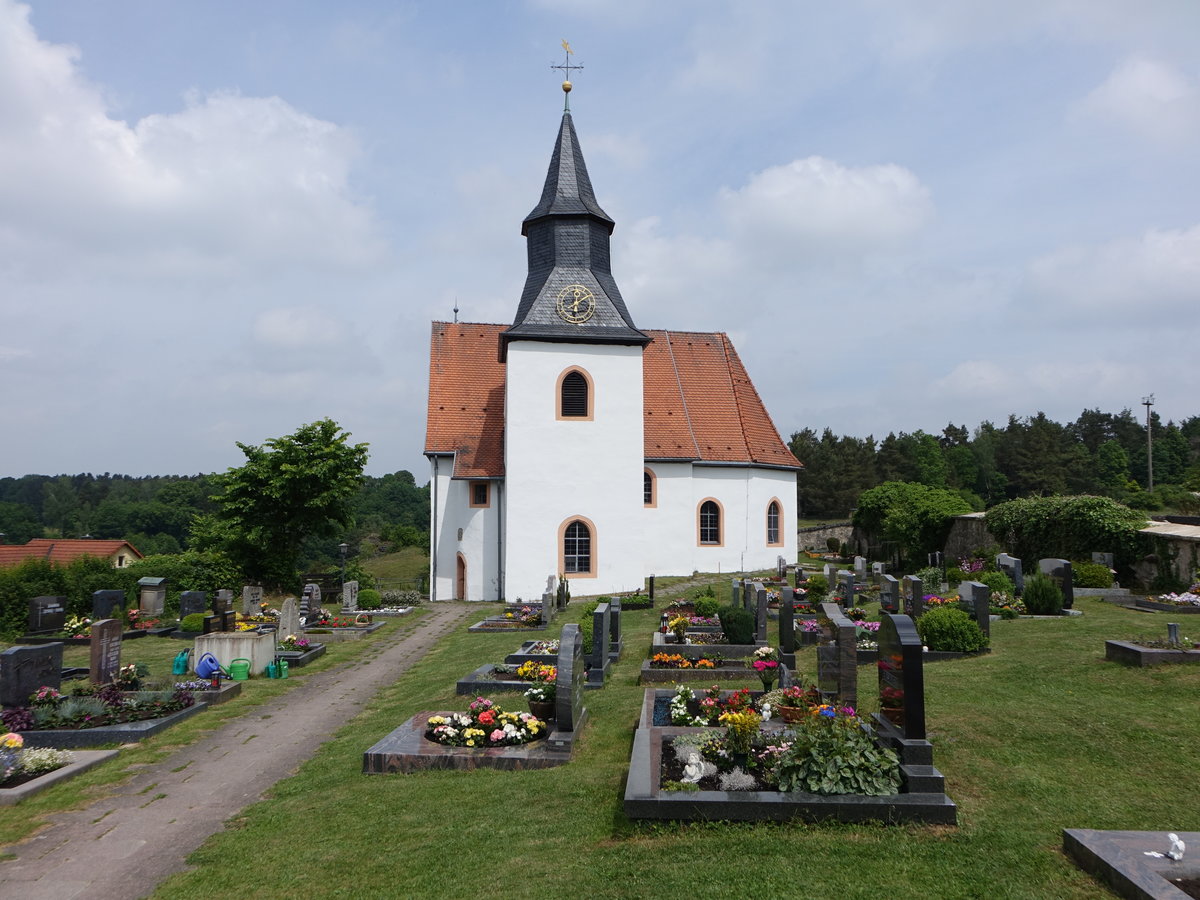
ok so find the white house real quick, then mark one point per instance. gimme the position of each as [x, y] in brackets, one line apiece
[572, 443]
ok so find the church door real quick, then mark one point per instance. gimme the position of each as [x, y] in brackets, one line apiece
[460, 581]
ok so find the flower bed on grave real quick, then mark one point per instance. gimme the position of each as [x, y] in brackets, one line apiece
[523, 618]
[298, 651]
[1143, 652]
[1187, 603]
[750, 766]
[97, 715]
[545, 651]
[25, 771]
[703, 644]
[494, 677]
[485, 724]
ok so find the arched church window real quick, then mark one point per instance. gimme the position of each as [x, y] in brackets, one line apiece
[710, 522]
[577, 548]
[773, 523]
[648, 498]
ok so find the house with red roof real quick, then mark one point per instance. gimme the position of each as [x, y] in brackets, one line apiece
[63, 550]
[573, 443]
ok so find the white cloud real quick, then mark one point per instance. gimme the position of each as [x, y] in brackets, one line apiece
[1149, 98]
[817, 205]
[1156, 272]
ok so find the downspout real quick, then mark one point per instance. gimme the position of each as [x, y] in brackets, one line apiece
[433, 533]
[500, 540]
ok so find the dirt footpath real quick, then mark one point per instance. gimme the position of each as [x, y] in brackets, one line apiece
[121, 847]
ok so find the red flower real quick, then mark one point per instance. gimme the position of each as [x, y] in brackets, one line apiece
[487, 717]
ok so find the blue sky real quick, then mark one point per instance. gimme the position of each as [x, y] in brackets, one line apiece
[221, 220]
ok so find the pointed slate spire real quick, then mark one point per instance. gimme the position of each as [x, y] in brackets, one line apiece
[570, 294]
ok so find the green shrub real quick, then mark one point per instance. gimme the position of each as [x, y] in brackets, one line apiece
[955, 577]
[947, 628]
[193, 622]
[369, 598]
[1091, 575]
[585, 625]
[831, 544]
[1042, 596]
[998, 582]
[818, 586]
[931, 579]
[836, 756]
[737, 623]
[707, 606]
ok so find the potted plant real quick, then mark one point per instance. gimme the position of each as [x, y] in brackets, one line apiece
[795, 701]
[679, 627]
[541, 699]
[766, 666]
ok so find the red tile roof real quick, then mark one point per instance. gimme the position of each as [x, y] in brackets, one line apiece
[699, 402]
[63, 550]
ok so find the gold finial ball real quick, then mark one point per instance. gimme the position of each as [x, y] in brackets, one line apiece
[566, 87]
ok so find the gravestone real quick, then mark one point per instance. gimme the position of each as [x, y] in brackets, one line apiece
[220, 604]
[564, 594]
[735, 592]
[314, 593]
[212, 624]
[801, 576]
[25, 669]
[152, 596]
[598, 660]
[549, 606]
[306, 602]
[913, 593]
[860, 569]
[845, 587]
[1104, 559]
[226, 597]
[787, 621]
[830, 571]
[289, 619]
[615, 642]
[192, 602]
[106, 651]
[229, 619]
[901, 675]
[878, 570]
[106, 603]
[350, 596]
[568, 684]
[748, 595]
[650, 591]
[781, 568]
[1059, 571]
[837, 661]
[252, 598]
[760, 612]
[889, 593]
[47, 613]
[1011, 566]
[976, 598]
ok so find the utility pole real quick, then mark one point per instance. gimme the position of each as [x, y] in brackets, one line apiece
[1149, 402]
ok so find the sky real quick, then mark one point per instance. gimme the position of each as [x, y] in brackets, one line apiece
[222, 220]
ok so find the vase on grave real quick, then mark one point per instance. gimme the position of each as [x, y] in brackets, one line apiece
[543, 709]
[791, 714]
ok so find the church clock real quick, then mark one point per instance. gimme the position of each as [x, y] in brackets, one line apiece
[576, 304]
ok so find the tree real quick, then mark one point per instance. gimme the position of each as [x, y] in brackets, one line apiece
[915, 517]
[289, 490]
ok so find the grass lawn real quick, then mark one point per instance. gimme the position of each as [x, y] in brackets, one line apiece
[406, 564]
[1040, 735]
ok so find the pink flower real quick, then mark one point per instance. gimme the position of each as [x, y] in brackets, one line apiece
[761, 664]
[497, 735]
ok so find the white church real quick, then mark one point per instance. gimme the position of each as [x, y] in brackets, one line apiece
[571, 443]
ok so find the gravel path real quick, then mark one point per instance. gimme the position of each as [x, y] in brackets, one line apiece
[124, 845]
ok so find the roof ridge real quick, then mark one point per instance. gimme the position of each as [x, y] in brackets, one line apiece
[682, 396]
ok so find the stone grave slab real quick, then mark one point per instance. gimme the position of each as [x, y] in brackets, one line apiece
[901, 675]
[570, 713]
[289, 618]
[1118, 859]
[47, 614]
[837, 661]
[25, 669]
[760, 612]
[252, 598]
[599, 660]
[787, 622]
[152, 596]
[846, 581]
[350, 595]
[615, 643]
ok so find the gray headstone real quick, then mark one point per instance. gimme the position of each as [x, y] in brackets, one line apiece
[289, 618]
[889, 593]
[192, 602]
[830, 571]
[615, 643]
[1059, 571]
[47, 613]
[913, 593]
[252, 596]
[600, 625]
[226, 597]
[878, 570]
[976, 598]
[25, 669]
[1011, 566]
[860, 568]
[152, 596]
[549, 606]
[568, 685]
[781, 568]
[837, 661]
[314, 593]
[760, 612]
[801, 576]
[787, 621]
[1104, 559]
[106, 603]
[845, 586]
[735, 592]
[901, 675]
[106, 651]
[350, 595]
[748, 594]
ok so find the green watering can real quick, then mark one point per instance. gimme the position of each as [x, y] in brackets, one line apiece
[239, 669]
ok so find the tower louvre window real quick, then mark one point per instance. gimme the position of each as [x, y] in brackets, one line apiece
[574, 399]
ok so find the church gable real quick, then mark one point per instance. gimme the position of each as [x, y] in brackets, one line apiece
[465, 416]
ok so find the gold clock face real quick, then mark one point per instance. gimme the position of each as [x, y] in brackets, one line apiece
[576, 303]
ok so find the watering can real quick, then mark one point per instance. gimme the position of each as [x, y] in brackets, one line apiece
[239, 669]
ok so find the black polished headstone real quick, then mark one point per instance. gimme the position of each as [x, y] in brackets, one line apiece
[650, 590]
[846, 587]
[889, 593]
[912, 592]
[47, 613]
[787, 621]
[192, 602]
[25, 669]
[601, 623]
[615, 644]
[568, 684]
[1104, 559]
[901, 674]
[212, 624]
[760, 612]
[1060, 572]
[106, 603]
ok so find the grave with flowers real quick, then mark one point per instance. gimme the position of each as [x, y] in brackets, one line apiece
[751, 756]
[488, 735]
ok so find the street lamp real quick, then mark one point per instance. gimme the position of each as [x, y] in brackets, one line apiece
[342, 548]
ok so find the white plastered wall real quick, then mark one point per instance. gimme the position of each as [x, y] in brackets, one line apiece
[480, 533]
[558, 469]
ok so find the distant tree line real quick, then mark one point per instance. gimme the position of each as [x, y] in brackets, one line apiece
[1099, 453]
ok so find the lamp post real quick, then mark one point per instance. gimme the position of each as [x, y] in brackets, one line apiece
[342, 548]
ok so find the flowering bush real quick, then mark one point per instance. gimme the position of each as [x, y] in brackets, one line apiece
[1187, 599]
[9, 745]
[534, 671]
[545, 692]
[78, 627]
[45, 696]
[675, 661]
[291, 642]
[484, 725]
[17, 760]
[193, 686]
[810, 626]
[129, 678]
[856, 614]
[766, 665]
[796, 695]
[740, 728]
